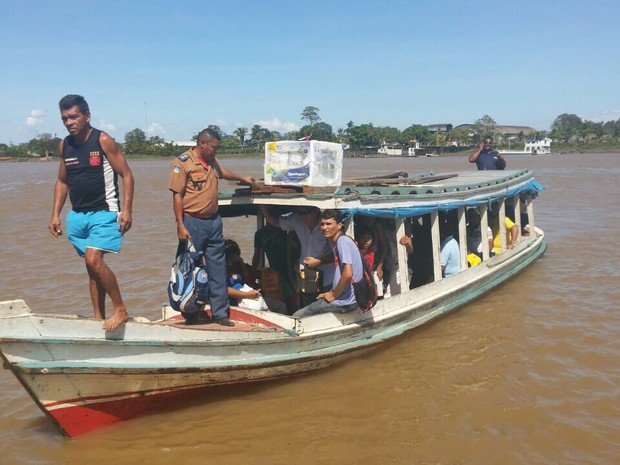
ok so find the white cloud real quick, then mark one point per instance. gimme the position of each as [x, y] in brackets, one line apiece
[275, 124]
[605, 115]
[155, 129]
[35, 118]
[103, 124]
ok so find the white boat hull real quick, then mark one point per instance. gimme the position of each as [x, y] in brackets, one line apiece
[83, 378]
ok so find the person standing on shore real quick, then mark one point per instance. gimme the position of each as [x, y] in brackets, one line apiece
[90, 163]
[194, 182]
[486, 158]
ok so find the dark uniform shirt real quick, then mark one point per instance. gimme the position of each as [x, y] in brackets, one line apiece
[92, 181]
[489, 161]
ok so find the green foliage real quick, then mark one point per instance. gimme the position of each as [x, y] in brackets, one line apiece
[311, 115]
[364, 135]
[388, 134]
[417, 132]
[462, 137]
[241, 133]
[320, 131]
[568, 131]
[569, 128]
[229, 142]
[43, 145]
[259, 135]
[484, 127]
[135, 141]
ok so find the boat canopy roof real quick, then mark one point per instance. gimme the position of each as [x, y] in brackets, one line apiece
[399, 195]
[531, 188]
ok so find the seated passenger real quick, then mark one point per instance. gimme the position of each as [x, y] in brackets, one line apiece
[450, 255]
[420, 260]
[367, 247]
[382, 246]
[348, 268]
[315, 249]
[512, 233]
[473, 260]
[366, 244]
[407, 242]
[272, 242]
[474, 234]
[237, 276]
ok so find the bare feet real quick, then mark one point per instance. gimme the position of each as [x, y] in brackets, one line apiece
[118, 318]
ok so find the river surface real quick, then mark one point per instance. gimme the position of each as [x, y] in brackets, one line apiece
[527, 374]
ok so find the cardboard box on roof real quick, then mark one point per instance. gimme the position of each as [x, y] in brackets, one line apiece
[303, 163]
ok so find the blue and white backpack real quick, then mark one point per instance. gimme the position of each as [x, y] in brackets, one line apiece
[188, 289]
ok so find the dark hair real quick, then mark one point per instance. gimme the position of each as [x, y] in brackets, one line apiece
[307, 209]
[72, 100]
[231, 248]
[330, 213]
[364, 230]
[208, 134]
[487, 138]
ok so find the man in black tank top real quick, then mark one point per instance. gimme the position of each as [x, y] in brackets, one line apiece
[90, 163]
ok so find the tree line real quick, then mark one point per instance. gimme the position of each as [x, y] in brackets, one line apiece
[566, 129]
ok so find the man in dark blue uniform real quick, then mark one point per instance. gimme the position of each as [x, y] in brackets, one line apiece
[486, 158]
[90, 163]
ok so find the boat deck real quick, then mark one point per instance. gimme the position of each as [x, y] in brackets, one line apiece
[244, 321]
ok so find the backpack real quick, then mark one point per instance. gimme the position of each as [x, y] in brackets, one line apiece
[188, 289]
[365, 289]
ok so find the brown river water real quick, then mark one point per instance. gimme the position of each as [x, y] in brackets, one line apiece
[527, 374]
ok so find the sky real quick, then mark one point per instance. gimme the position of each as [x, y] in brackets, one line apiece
[172, 68]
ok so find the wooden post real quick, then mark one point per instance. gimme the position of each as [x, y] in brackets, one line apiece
[402, 282]
[462, 237]
[502, 224]
[436, 239]
[530, 216]
[484, 229]
[517, 203]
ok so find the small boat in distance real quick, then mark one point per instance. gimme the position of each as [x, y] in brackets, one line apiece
[414, 150]
[84, 378]
[390, 150]
[532, 147]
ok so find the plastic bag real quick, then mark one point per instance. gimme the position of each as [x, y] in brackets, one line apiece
[252, 304]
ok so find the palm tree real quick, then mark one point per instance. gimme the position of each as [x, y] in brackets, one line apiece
[241, 133]
[258, 134]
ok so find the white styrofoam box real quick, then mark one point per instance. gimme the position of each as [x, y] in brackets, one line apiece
[303, 163]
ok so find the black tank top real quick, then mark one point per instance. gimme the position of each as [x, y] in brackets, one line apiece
[92, 181]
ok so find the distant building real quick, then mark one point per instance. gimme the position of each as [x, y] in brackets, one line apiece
[183, 143]
[506, 132]
[444, 127]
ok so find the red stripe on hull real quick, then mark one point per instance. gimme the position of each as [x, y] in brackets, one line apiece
[237, 316]
[81, 419]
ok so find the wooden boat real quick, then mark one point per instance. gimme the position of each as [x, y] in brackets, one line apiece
[83, 378]
[390, 150]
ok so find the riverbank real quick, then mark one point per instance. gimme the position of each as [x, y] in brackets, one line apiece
[557, 149]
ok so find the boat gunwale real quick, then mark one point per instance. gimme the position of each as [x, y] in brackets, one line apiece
[383, 329]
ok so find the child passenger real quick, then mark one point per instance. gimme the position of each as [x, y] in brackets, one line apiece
[237, 276]
[367, 247]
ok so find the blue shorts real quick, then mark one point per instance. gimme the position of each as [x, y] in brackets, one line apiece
[97, 230]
